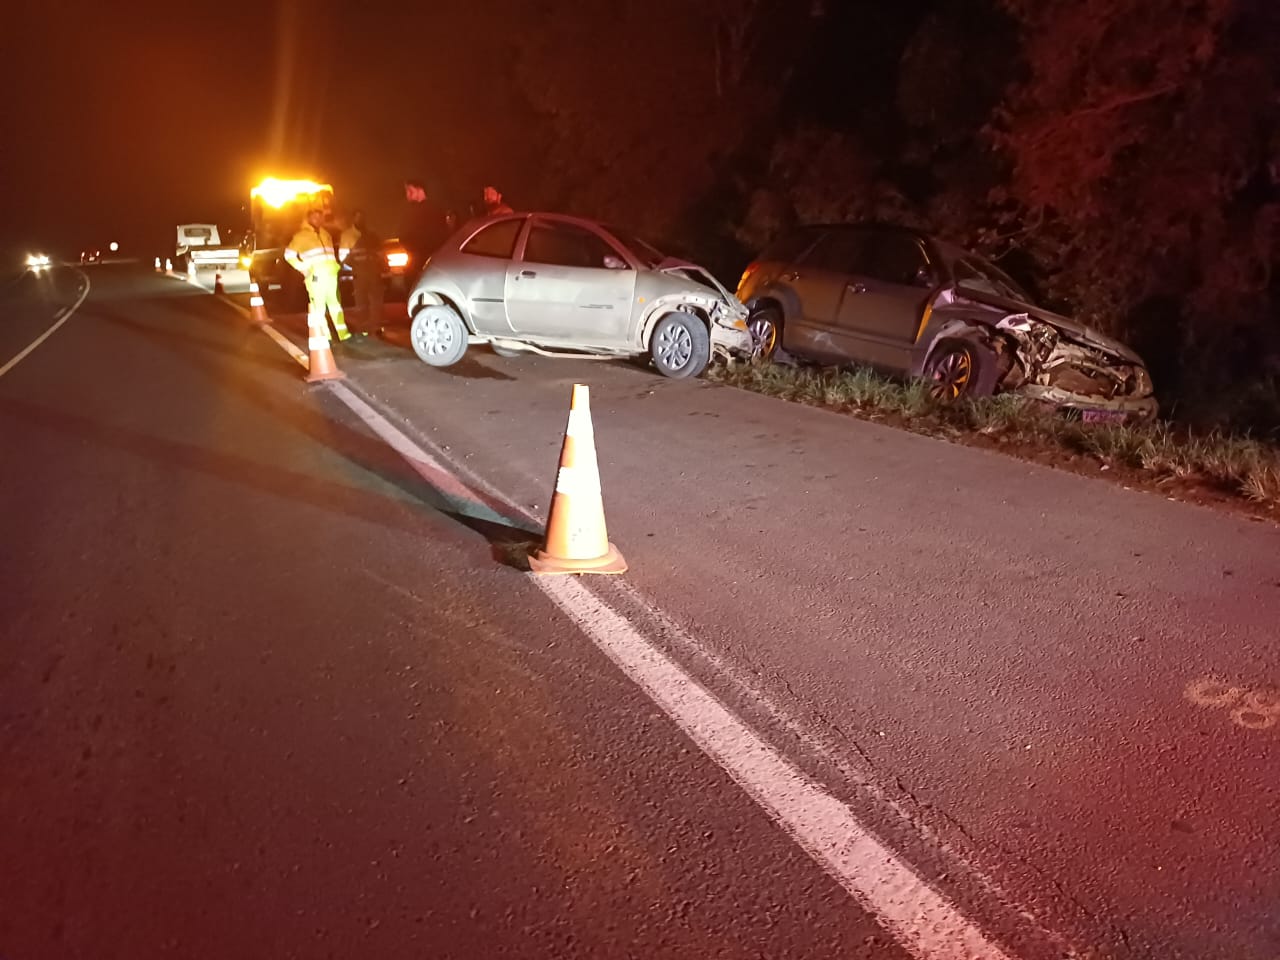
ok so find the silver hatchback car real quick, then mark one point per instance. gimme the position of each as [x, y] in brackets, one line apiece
[564, 286]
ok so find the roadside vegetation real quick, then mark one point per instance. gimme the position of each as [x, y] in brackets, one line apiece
[1167, 457]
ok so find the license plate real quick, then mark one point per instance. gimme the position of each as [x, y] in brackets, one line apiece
[1103, 416]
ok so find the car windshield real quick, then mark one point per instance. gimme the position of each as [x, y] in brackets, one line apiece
[646, 253]
[977, 274]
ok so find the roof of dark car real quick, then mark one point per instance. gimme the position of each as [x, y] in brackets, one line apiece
[871, 225]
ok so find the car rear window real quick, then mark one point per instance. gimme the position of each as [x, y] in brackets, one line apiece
[495, 240]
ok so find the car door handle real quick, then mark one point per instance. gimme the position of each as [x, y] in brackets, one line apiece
[856, 287]
[527, 273]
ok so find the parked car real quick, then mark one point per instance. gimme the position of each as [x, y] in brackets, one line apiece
[907, 303]
[395, 271]
[560, 286]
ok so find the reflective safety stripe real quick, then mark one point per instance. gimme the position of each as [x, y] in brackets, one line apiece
[578, 480]
[317, 343]
[579, 423]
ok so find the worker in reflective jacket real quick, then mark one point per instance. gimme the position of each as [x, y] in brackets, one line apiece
[311, 253]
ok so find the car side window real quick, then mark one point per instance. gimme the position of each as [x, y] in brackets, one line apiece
[567, 245]
[792, 246]
[840, 251]
[495, 240]
[895, 258]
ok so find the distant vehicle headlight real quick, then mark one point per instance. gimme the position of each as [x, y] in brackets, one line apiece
[398, 259]
[37, 260]
[246, 261]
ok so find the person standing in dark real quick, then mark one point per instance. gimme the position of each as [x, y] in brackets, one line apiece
[423, 228]
[361, 249]
[494, 205]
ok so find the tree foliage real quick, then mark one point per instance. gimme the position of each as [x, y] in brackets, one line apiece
[1121, 157]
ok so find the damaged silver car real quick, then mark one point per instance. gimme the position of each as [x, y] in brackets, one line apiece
[909, 304]
[563, 286]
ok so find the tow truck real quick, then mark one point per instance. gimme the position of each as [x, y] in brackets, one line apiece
[277, 209]
[199, 246]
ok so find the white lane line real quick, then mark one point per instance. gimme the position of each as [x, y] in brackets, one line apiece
[924, 922]
[287, 345]
[61, 317]
[283, 342]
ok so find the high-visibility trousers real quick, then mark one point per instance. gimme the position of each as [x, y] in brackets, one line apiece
[322, 294]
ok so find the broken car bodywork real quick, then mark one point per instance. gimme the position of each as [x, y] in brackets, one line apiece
[1041, 355]
[725, 315]
[608, 305]
[905, 302]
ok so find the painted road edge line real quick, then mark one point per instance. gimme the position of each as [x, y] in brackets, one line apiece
[920, 918]
[60, 317]
[283, 342]
[917, 916]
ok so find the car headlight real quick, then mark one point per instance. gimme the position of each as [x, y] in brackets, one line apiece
[246, 262]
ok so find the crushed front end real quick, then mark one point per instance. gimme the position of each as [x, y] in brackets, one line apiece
[1074, 369]
[725, 313]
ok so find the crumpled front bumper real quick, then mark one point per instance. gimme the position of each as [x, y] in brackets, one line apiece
[731, 341]
[1126, 408]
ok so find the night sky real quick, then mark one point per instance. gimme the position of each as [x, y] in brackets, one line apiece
[134, 116]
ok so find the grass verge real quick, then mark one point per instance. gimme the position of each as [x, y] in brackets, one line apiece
[1239, 466]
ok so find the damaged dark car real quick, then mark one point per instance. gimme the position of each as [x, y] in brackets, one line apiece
[907, 303]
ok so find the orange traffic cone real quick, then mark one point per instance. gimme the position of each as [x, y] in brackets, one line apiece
[168, 266]
[321, 366]
[257, 306]
[577, 541]
[158, 265]
[217, 283]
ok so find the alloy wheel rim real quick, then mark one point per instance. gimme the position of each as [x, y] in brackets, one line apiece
[952, 375]
[764, 335]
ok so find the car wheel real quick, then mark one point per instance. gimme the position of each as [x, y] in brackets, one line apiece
[765, 326]
[680, 346]
[960, 368]
[438, 335]
[505, 351]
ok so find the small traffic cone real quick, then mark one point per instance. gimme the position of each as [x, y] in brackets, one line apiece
[157, 264]
[217, 283]
[321, 366]
[257, 306]
[577, 541]
[168, 265]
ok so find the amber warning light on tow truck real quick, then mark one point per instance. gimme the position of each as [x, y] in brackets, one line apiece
[276, 193]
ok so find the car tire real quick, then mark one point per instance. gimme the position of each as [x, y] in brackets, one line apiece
[765, 325]
[505, 351]
[680, 346]
[960, 369]
[438, 335]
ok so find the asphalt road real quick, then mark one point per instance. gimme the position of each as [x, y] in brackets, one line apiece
[265, 691]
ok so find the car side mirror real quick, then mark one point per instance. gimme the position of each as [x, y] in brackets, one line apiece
[614, 263]
[924, 277]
